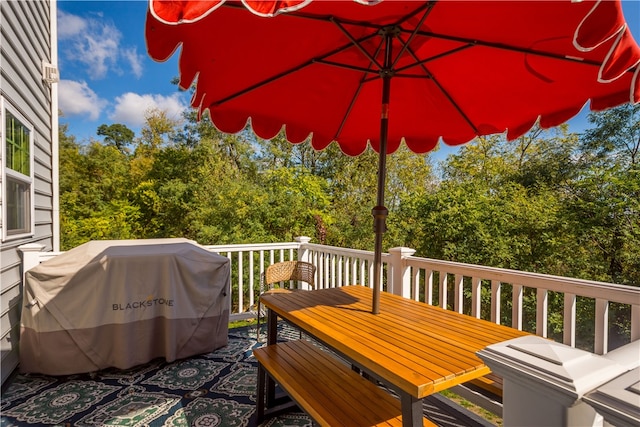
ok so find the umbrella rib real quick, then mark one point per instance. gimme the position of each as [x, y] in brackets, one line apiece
[261, 83]
[454, 103]
[421, 64]
[476, 42]
[292, 70]
[399, 70]
[349, 108]
[355, 42]
[428, 8]
[363, 80]
[345, 66]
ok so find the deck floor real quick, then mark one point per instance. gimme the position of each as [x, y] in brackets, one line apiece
[214, 389]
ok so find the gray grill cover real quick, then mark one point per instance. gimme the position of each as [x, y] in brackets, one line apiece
[120, 303]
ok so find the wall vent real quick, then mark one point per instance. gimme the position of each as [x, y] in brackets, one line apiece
[50, 73]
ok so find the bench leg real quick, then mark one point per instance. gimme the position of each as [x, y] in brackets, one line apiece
[272, 327]
[260, 398]
[271, 392]
[272, 338]
[411, 410]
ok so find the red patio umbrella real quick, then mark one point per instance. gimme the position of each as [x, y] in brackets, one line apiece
[379, 73]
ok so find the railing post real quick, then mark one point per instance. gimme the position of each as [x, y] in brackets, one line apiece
[635, 322]
[30, 255]
[303, 252]
[544, 381]
[401, 275]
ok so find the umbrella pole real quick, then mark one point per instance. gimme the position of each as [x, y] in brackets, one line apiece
[380, 212]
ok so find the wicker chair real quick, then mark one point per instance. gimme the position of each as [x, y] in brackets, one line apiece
[280, 273]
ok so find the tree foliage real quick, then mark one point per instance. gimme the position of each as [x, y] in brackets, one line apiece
[550, 201]
[118, 135]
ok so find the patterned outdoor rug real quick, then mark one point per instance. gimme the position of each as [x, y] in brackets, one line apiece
[213, 389]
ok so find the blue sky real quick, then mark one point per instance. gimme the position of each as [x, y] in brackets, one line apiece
[107, 76]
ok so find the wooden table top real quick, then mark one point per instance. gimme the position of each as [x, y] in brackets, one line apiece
[418, 348]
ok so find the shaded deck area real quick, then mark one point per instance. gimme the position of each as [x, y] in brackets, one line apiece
[213, 389]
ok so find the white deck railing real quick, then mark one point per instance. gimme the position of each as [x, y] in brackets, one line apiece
[511, 297]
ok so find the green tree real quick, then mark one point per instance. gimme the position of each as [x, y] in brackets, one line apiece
[156, 134]
[500, 203]
[615, 137]
[604, 204]
[94, 193]
[118, 135]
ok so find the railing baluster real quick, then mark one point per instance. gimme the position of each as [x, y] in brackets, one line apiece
[347, 270]
[240, 283]
[334, 270]
[569, 320]
[428, 294]
[602, 326]
[516, 312]
[327, 270]
[476, 297]
[458, 304]
[542, 304]
[252, 284]
[496, 288]
[261, 264]
[415, 283]
[353, 267]
[313, 259]
[635, 322]
[443, 290]
[230, 269]
[320, 269]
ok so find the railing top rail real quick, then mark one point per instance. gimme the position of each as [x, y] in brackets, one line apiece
[587, 288]
[252, 247]
[48, 255]
[368, 255]
[220, 248]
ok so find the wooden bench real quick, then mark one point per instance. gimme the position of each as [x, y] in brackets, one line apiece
[485, 392]
[329, 391]
[491, 383]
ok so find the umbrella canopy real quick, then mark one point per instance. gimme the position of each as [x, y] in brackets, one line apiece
[380, 73]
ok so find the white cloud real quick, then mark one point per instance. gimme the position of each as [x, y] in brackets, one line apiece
[69, 25]
[96, 44]
[77, 99]
[131, 107]
[134, 60]
[99, 51]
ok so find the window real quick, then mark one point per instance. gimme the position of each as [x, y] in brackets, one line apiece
[17, 174]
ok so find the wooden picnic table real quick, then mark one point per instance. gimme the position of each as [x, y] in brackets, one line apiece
[412, 347]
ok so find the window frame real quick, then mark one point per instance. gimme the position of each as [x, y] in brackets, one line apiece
[8, 173]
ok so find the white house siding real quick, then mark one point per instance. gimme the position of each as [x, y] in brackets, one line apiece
[27, 38]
